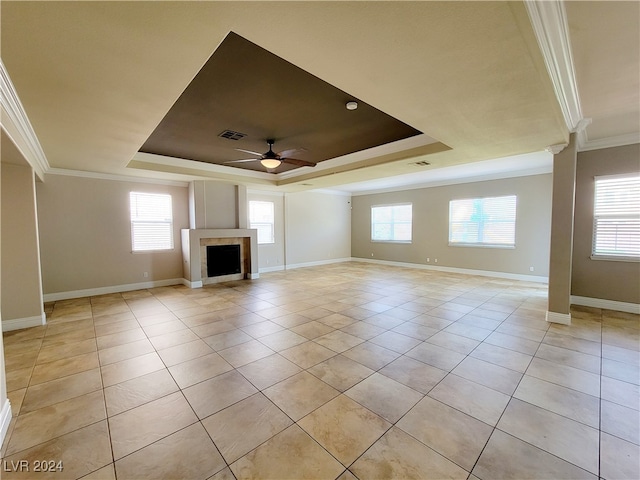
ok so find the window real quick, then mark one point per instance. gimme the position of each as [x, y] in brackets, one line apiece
[488, 222]
[151, 221]
[261, 217]
[616, 218]
[391, 223]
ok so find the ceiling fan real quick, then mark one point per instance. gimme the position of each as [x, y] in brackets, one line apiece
[271, 160]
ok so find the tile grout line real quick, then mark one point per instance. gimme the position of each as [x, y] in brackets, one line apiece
[400, 355]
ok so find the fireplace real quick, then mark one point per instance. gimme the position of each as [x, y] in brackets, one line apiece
[196, 245]
[223, 260]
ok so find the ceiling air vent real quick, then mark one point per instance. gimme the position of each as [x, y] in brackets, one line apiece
[421, 163]
[231, 135]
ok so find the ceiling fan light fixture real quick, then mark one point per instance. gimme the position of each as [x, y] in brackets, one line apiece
[270, 163]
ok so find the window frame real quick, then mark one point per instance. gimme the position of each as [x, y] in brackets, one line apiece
[272, 224]
[141, 220]
[392, 223]
[621, 216]
[481, 223]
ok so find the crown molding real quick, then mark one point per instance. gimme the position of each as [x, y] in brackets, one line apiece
[272, 193]
[255, 191]
[199, 170]
[528, 172]
[16, 125]
[526, 164]
[610, 142]
[556, 149]
[329, 191]
[114, 177]
[549, 22]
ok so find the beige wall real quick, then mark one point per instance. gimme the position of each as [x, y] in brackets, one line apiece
[318, 227]
[21, 282]
[431, 227]
[85, 234]
[609, 280]
[213, 205]
[271, 256]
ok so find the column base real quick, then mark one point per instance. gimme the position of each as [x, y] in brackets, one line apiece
[561, 318]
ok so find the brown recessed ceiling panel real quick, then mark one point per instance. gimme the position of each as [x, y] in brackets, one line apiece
[245, 95]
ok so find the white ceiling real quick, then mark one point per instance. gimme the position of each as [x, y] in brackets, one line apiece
[605, 42]
[536, 163]
[95, 79]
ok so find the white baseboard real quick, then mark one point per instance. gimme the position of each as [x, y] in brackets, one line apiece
[606, 304]
[190, 284]
[561, 318]
[291, 266]
[254, 276]
[466, 271]
[5, 420]
[278, 268]
[90, 292]
[20, 323]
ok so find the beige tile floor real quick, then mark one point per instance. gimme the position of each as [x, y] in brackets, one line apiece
[341, 371]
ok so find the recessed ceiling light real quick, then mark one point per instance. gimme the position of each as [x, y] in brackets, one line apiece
[351, 105]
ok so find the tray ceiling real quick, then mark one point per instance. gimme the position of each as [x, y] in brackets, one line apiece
[244, 88]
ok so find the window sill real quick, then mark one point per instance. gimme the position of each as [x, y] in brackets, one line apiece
[391, 241]
[483, 245]
[613, 258]
[164, 250]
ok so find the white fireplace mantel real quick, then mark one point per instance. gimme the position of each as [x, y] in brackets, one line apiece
[192, 257]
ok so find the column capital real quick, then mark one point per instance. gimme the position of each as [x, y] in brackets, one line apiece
[582, 124]
[557, 148]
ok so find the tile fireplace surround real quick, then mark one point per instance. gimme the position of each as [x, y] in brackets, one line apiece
[194, 251]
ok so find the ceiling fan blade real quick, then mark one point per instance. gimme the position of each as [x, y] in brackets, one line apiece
[248, 151]
[293, 151]
[295, 161]
[243, 161]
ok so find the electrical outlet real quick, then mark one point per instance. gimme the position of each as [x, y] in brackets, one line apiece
[372, 254]
[145, 274]
[428, 260]
[531, 269]
[435, 260]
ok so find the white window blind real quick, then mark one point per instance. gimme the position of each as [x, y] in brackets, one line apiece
[616, 219]
[262, 218]
[489, 221]
[391, 223]
[151, 221]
